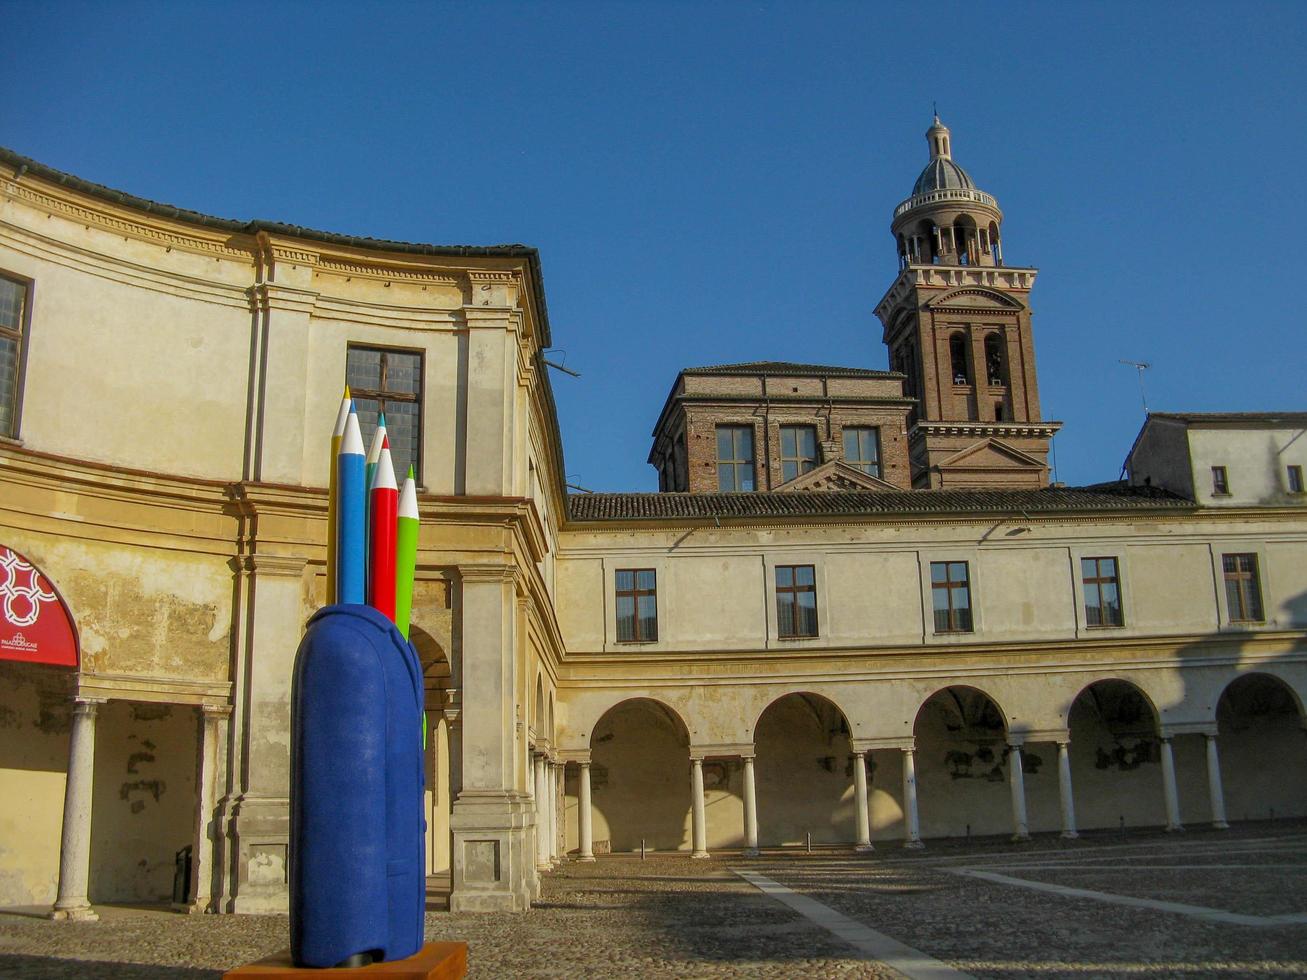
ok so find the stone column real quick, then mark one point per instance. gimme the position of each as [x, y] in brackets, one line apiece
[551, 803]
[1064, 790]
[750, 810]
[1169, 790]
[584, 831]
[202, 847]
[911, 824]
[542, 815]
[1017, 784]
[1215, 793]
[860, 801]
[700, 826]
[75, 844]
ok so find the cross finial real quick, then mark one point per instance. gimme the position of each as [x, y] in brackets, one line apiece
[934, 108]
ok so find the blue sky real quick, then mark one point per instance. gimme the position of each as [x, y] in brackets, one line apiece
[714, 182]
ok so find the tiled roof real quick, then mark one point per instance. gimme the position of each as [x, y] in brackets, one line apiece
[789, 367]
[1292, 418]
[672, 506]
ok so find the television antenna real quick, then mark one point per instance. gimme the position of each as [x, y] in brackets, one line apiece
[1141, 367]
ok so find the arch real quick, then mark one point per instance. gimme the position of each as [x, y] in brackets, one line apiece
[927, 238]
[1260, 721]
[36, 625]
[957, 351]
[961, 738]
[538, 717]
[995, 245]
[812, 699]
[1115, 755]
[966, 240]
[995, 360]
[804, 771]
[436, 671]
[639, 775]
[549, 727]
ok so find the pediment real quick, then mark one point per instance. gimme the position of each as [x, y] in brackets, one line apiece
[990, 454]
[975, 298]
[836, 475]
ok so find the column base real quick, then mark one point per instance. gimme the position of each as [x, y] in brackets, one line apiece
[914, 845]
[1020, 838]
[864, 848]
[751, 852]
[1220, 825]
[700, 854]
[1070, 835]
[586, 859]
[82, 913]
[1175, 828]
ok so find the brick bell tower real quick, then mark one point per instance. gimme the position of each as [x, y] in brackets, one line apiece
[957, 325]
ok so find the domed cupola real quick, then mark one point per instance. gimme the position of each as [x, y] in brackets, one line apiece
[947, 220]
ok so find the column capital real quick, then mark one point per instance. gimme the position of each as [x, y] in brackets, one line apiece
[83, 705]
[488, 572]
[215, 712]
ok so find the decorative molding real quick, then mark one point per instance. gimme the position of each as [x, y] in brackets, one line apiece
[1026, 430]
[88, 216]
[375, 270]
[489, 572]
[277, 566]
[163, 690]
[728, 750]
[479, 275]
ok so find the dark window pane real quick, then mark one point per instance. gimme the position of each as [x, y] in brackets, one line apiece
[807, 613]
[784, 616]
[644, 579]
[962, 619]
[787, 441]
[744, 477]
[363, 368]
[648, 608]
[12, 296]
[784, 575]
[8, 384]
[804, 575]
[625, 580]
[941, 620]
[625, 619]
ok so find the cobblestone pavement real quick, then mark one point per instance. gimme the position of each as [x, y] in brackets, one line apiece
[669, 916]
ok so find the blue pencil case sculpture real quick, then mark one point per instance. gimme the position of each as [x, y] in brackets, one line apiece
[357, 862]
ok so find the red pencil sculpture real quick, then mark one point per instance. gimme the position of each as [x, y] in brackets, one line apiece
[383, 514]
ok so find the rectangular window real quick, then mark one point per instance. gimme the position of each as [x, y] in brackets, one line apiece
[1220, 485]
[1243, 589]
[389, 381]
[796, 601]
[1102, 592]
[798, 450]
[951, 591]
[13, 310]
[637, 605]
[862, 449]
[1295, 479]
[734, 457]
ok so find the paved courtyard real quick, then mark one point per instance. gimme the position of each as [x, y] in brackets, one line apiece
[1199, 904]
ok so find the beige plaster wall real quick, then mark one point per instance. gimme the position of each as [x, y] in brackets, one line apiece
[143, 801]
[35, 721]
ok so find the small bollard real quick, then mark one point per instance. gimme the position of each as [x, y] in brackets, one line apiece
[808, 839]
[1123, 824]
[968, 830]
[641, 848]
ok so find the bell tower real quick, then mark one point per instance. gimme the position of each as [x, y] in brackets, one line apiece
[957, 323]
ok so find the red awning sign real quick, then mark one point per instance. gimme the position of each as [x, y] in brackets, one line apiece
[35, 626]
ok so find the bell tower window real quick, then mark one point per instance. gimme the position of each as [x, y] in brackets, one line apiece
[957, 348]
[994, 359]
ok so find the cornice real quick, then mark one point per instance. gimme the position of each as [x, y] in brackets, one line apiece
[913, 277]
[171, 690]
[1030, 430]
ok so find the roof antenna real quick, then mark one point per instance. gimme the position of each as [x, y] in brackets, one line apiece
[934, 108]
[1141, 367]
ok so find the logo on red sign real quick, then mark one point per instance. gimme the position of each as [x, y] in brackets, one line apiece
[34, 625]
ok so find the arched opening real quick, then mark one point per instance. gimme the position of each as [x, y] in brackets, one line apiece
[441, 774]
[994, 244]
[995, 371]
[538, 718]
[903, 252]
[962, 755]
[957, 350]
[926, 244]
[965, 241]
[1115, 757]
[640, 778]
[1263, 749]
[804, 772]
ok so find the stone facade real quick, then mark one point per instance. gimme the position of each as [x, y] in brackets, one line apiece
[1095, 662]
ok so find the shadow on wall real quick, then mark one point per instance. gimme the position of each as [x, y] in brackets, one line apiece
[639, 777]
[804, 773]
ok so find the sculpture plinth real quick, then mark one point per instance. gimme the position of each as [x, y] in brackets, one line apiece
[435, 961]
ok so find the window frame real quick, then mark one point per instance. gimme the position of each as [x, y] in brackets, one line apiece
[1255, 577]
[794, 590]
[875, 431]
[1095, 582]
[1220, 482]
[379, 395]
[635, 593]
[950, 587]
[21, 335]
[797, 460]
[1293, 478]
[734, 462]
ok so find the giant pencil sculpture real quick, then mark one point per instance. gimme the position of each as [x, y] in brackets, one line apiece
[337, 434]
[369, 473]
[384, 504]
[406, 552]
[350, 532]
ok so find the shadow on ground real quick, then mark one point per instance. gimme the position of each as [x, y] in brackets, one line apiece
[18, 967]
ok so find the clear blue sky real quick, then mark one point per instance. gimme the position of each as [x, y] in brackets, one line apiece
[714, 182]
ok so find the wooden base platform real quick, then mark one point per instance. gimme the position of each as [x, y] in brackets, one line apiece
[435, 961]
